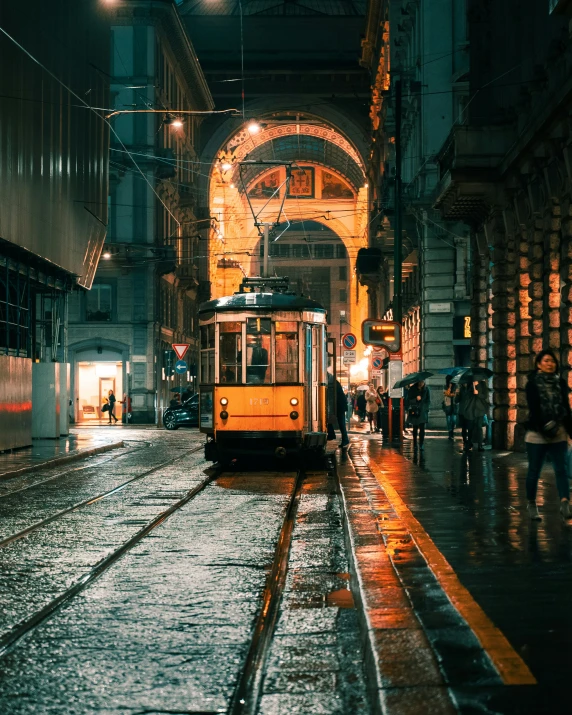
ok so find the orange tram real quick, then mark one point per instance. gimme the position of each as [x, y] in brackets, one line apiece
[263, 378]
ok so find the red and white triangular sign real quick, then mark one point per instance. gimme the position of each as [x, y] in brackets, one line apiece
[180, 349]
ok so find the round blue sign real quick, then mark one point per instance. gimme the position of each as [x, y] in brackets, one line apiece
[181, 367]
[349, 341]
[377, 362]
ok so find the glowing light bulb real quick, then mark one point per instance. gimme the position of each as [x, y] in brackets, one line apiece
[254, 127]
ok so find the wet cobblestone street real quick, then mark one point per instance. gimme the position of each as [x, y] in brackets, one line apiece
[167, 628]
[450, 600]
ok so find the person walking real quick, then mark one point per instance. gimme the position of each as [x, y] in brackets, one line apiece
[361, 404]
[475, 410]
[111, 410]
[382, 411]
[418, 402]
[548, 428]
[341, 412]
[462, 399]
[449, 405]
[372, 408]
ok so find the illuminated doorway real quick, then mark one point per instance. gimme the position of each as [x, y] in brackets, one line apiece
[95, 379]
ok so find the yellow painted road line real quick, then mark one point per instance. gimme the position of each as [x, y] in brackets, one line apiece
[510, 666]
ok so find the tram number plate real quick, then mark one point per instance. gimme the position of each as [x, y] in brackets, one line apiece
[254, 401]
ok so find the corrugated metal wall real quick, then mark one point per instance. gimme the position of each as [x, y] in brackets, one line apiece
[15, 402]
[54, 151]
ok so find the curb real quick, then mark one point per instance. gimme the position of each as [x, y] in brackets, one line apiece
[403, 675]
[55, 461]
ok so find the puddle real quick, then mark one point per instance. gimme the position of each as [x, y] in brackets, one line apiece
[342, 598]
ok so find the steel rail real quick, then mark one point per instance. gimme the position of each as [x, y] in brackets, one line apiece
[247, 692]
[93, 500]
[9, 639]
[8, 492]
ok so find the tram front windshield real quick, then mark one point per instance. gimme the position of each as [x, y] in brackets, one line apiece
[255, 367]
[258, 351]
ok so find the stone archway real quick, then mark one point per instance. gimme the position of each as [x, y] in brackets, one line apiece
[322, 148]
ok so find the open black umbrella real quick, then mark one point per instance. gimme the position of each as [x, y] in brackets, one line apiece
[411, 379]
[473, 374]
[451, 370]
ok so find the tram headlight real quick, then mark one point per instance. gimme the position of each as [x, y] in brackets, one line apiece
[224, 415]
[294, 401]
[293, 415]
[223, 401]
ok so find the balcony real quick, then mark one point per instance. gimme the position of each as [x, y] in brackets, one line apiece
[468, 171]
[187, 276]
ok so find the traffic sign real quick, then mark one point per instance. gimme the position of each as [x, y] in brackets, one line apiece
[349, 341]
[349, 357]
[376, 373]
[181, 367]
[180, 349]
[377, 363]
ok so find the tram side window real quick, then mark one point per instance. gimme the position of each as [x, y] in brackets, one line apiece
[258, 351]
[230, 353]
[286, 352]
[207, 354]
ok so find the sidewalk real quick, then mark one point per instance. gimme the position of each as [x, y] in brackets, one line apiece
[508, 579]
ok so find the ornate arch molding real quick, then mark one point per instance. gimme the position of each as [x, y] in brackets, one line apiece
[347, 127]
[242, 144]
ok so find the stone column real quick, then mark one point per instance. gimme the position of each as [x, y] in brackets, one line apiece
[536, 286]
[523, 336]
[504, 303]
[552, 223]
[566, 291]
[480, 305]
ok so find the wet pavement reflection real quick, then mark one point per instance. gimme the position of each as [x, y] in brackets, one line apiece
[473, 507]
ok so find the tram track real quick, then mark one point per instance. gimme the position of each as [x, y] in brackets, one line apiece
[26, 626]
[93, 500]
[7, 492]
[248, 690]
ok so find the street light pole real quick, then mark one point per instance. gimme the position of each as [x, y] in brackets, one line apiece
[397, 241]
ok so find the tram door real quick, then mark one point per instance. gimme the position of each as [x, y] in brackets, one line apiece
[312, 340]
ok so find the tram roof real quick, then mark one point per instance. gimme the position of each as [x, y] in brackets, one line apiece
[260, 301]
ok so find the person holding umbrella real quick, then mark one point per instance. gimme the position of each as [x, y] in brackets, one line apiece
[418, 401]
[473, 401]
[449, 405]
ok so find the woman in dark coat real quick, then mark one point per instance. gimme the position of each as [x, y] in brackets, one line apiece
[548, 427]
[462, 399]
[476, 408]
[418, 401]
[111, 412]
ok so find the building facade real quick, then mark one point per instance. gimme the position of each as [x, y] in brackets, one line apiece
[507, 172]
[305, 109]
[418, 58]
[144, 295]
[53, 200]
